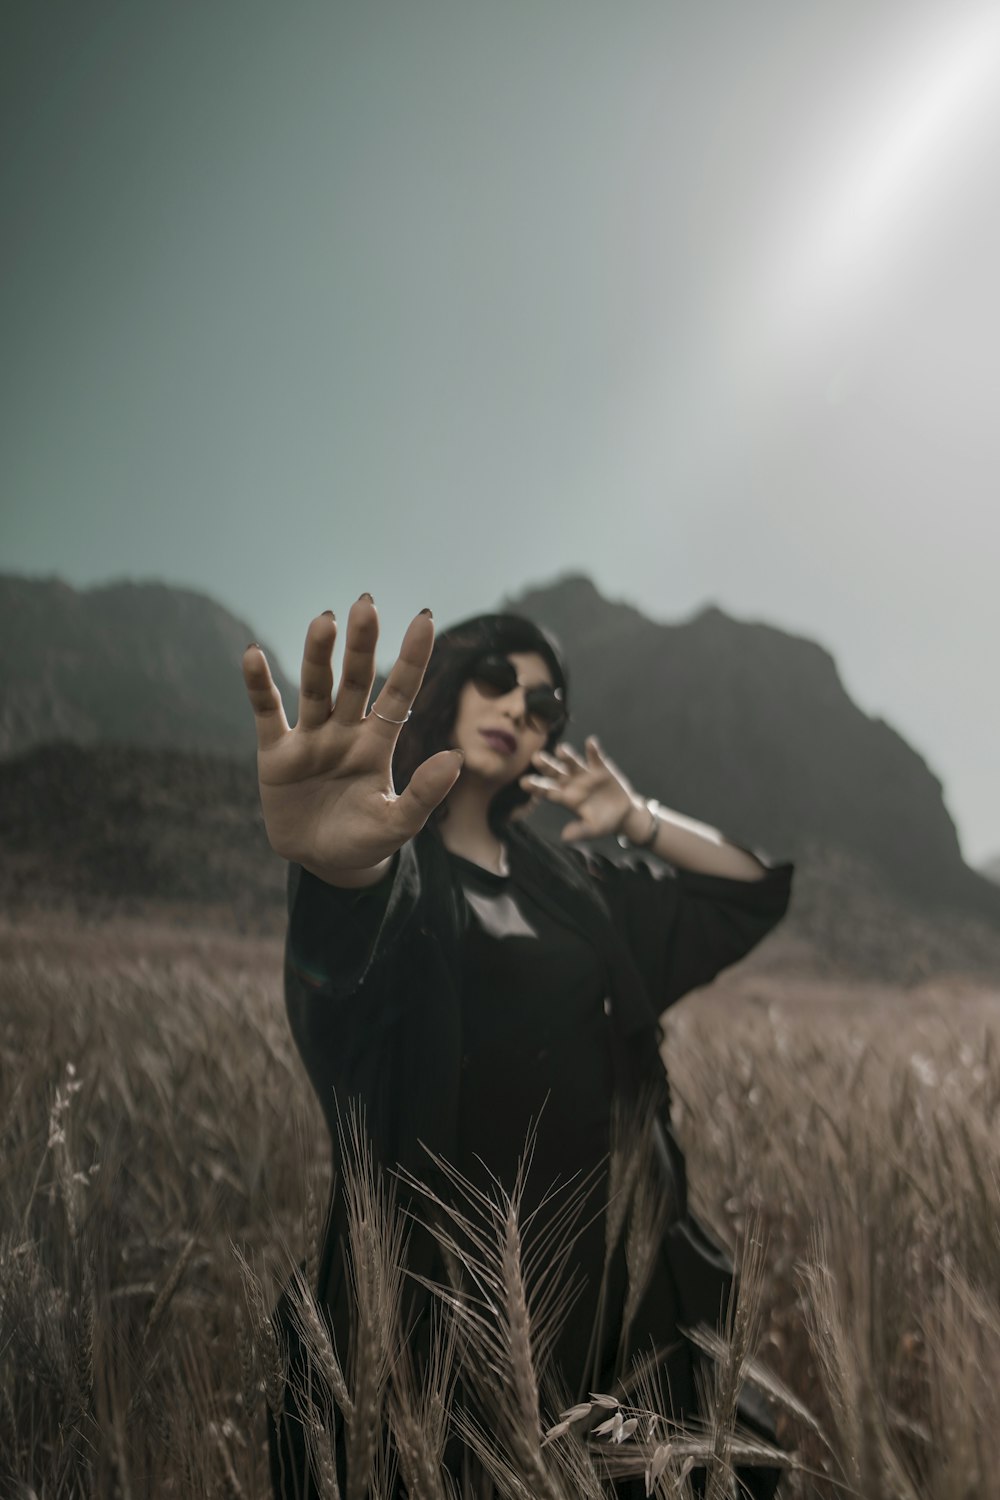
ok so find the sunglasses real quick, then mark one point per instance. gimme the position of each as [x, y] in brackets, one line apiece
[495, 677]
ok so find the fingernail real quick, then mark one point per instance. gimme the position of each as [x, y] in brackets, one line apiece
[459, 753]
[428, 612]
[330, 613]
[252, 644]
[367, 596]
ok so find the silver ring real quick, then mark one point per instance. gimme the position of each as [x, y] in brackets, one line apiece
[409, 714]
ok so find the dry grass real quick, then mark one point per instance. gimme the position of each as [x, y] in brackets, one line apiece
[154, 1117]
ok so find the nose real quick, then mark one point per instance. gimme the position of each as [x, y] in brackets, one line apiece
[515, 705]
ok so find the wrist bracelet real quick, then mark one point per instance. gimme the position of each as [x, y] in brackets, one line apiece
[650, 839]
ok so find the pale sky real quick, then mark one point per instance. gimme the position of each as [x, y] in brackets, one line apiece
[443, 299]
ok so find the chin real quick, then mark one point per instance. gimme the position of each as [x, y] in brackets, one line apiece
[487, 764]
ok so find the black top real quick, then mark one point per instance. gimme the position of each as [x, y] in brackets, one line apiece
[535, 1036]
[379, 1009]
[537, 1049]
[382, 1004]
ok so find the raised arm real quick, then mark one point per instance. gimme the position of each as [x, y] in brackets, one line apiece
[326, 785]
[683, 927]
[604, 801]
[683, 924]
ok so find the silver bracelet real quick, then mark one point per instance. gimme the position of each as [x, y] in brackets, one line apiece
[650, 839]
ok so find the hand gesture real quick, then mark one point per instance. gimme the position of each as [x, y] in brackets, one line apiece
[326, 786]
[595, 789]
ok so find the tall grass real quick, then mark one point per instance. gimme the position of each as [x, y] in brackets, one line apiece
[164, 1165]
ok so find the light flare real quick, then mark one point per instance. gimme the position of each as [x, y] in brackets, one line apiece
[891, 173]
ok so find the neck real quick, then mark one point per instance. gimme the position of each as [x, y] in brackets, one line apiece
[466, 830]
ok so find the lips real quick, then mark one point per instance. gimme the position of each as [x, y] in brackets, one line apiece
[500, 740]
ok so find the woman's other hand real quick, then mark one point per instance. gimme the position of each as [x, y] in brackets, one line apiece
[326, 786]
[595, 789]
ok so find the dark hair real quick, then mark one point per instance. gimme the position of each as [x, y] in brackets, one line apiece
[436, 705]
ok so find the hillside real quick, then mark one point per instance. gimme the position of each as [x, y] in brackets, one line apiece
[750, 728]
[113, 830]
[147, 798]
[137, 664]
[178, 837]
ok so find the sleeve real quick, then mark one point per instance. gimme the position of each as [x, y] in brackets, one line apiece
[335, 936]
[683, 927]
[340, 952]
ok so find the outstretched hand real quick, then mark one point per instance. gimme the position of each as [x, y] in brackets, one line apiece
[326, 786]
[595, 789]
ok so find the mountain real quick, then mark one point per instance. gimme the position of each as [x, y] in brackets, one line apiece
[177, 837]
[128, 663]
[749, 728]
[149, 803]
[991, 869]
[119, 830]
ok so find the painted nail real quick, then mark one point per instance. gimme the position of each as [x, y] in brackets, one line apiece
[367, 596]
[428, 612]
[330, 613]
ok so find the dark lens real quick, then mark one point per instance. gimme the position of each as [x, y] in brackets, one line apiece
[495, 675]
[545, 705]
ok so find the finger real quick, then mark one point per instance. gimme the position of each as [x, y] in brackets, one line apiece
[427, 788]
[403, 682]
[576, 830]
[595, 754]
[265, 700]
[357, 671]
[572, 758]
[599, 761]
[546, 787]
[316, 676]
[554, 767]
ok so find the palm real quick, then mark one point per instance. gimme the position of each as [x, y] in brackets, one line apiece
[595, 790]
[326, 785]
[330, 782]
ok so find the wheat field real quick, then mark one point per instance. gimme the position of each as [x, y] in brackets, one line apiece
[164, 1165]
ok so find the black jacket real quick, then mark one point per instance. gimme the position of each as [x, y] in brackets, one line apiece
[372, 984]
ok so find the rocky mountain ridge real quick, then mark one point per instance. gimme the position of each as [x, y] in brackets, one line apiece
[177, 837]
[750, 728]
[140, 664]
[738, 723]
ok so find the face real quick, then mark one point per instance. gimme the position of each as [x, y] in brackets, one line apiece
[494, 732]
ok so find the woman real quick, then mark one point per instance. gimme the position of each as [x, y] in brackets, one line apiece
[462, 977]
